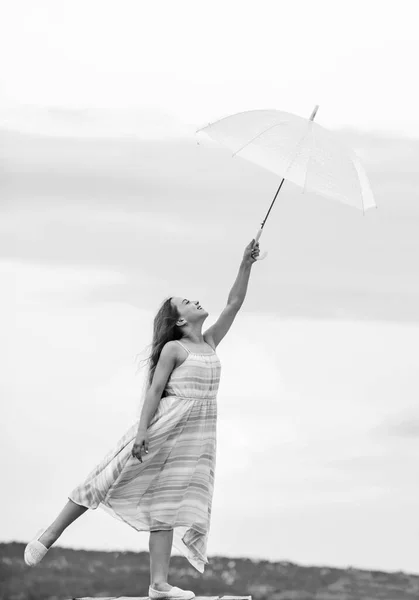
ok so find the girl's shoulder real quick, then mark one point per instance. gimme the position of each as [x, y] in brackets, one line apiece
[171, 350]
[177, 350]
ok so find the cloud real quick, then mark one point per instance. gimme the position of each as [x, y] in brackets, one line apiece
[403, 426]
[406, 428]
[83, 123]
[134, 205]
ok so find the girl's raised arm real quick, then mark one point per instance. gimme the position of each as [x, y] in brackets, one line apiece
[214, 334]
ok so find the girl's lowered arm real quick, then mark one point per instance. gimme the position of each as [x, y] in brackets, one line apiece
[164, 367]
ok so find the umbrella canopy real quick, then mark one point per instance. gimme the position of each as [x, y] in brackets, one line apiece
[297, 150]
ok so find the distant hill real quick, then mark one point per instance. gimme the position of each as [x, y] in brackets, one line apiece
[66, 573]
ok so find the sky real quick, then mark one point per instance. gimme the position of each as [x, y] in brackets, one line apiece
[356, 61]
[108, 205]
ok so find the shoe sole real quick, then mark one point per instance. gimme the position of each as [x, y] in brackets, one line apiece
[171, 597]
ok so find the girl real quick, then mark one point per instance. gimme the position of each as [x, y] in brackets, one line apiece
[160, 476]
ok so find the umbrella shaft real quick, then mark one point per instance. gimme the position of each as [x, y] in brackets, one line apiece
[272, 203]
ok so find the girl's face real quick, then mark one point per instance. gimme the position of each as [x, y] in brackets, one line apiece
[190, 310]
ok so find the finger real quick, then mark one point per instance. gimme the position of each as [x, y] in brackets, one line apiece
[136, 452]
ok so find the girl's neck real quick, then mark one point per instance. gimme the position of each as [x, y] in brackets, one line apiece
[194, 338]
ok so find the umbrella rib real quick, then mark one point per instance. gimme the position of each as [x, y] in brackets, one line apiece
[309, 159]
[357, 177]
[295, 152]
[256, 137]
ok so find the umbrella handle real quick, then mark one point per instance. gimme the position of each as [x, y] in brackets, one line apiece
[265, 254]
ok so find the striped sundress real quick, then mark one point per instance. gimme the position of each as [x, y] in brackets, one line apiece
[173, 487]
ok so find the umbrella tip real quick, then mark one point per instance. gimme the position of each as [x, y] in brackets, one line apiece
[313, 114]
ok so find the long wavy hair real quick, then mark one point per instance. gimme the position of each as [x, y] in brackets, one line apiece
[164, 330]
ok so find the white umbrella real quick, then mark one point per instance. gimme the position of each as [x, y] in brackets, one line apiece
[298, 150]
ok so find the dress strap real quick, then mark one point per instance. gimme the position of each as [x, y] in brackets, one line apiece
[185, 348]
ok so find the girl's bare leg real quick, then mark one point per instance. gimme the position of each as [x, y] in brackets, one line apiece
[160, 546]
[70, 513]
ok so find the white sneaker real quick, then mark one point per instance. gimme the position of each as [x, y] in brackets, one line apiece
[35, 551]
[174, 593]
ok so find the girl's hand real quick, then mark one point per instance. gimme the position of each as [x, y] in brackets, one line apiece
[140, 444]
[251, 253]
